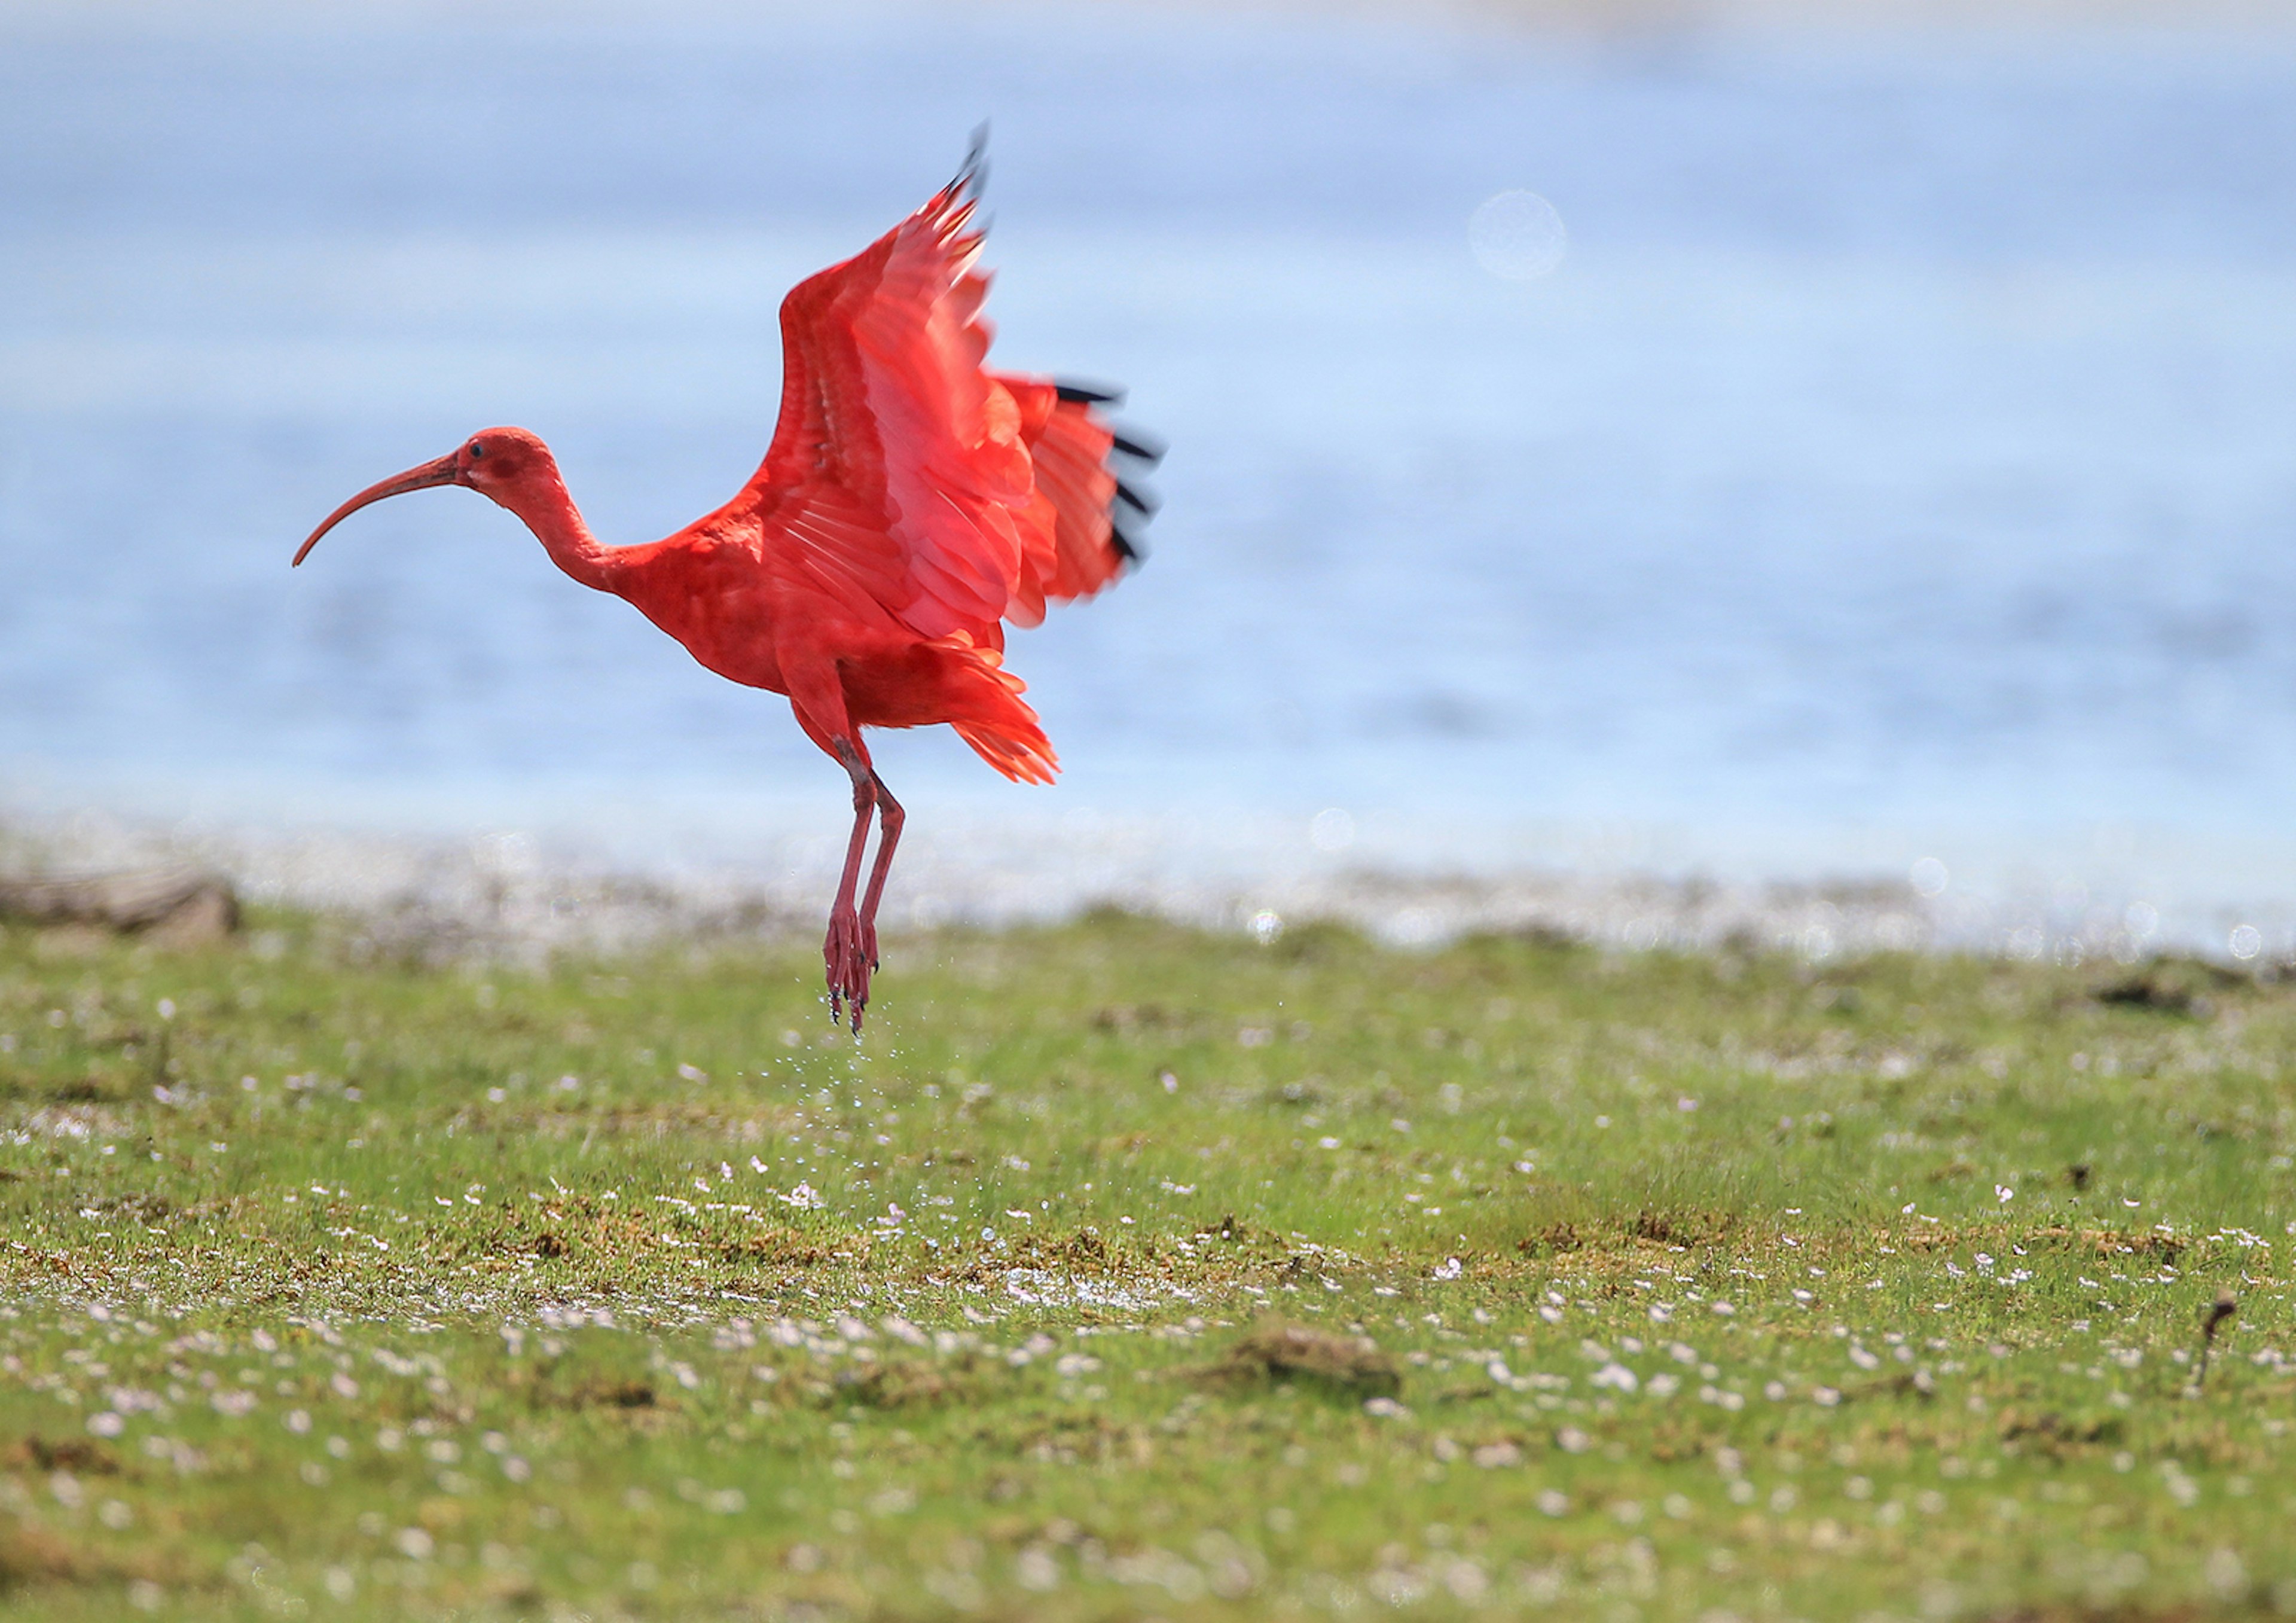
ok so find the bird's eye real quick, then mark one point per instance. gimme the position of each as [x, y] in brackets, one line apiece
[477, 450]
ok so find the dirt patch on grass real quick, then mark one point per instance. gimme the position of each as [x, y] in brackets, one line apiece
[1688, 1229]
[1670, 1228]
[2112, 1242]
[790, 1248]
[31, 1554]
[79, 1455]
[898, 1383]
[1084, 1253]
[1350, 1365]
[2057, 1435]
[1554, 1240]
[614, 1394]
[2171, 985]
[629, 1395]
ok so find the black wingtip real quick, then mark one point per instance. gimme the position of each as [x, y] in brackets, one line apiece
[1132, 501]
[972, 175]
[1138, 445]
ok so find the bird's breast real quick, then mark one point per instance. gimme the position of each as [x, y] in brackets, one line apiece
[731, 626]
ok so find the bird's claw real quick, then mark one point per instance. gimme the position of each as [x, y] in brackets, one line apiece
[850, 951]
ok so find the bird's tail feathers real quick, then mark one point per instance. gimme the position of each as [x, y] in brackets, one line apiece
[994, 719]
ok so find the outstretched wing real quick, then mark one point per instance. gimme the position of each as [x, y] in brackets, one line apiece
[956, 497]
[884, 397]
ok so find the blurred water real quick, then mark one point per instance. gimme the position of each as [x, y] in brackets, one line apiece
[1904, 452]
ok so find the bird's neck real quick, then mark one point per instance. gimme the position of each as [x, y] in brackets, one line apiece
[549, 511]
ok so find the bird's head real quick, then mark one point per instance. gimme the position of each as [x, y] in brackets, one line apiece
[498, 464]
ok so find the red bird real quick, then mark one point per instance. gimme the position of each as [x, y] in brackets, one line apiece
[911, 501]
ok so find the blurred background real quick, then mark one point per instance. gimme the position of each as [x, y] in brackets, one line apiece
[1621, 456]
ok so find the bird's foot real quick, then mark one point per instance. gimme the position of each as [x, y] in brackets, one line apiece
[850, 951]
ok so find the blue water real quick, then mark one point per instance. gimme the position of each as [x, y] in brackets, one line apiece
[1907, 439]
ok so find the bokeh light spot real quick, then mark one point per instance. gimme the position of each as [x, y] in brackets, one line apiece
[1517, 236]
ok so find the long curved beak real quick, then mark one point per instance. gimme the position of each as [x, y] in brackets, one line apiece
[439, 472]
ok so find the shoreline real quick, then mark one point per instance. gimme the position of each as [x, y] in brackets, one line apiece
[509, 893]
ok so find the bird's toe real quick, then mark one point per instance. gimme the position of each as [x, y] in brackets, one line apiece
[849, 955]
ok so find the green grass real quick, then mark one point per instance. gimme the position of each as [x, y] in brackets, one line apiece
[342, 1286]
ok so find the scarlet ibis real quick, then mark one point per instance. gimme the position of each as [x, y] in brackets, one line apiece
[911, 501]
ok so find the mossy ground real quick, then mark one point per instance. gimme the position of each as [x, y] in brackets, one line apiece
[1639, 1287]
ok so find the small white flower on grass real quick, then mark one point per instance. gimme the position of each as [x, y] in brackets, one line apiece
[298, 1421]
[1553, 1501]
[1450, 1267]
[107, 1423]
[1385, 1408]
[1616, 1375]
[414, 1544]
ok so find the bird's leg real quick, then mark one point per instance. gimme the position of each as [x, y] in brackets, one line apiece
[888, 835]
[848, 961]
